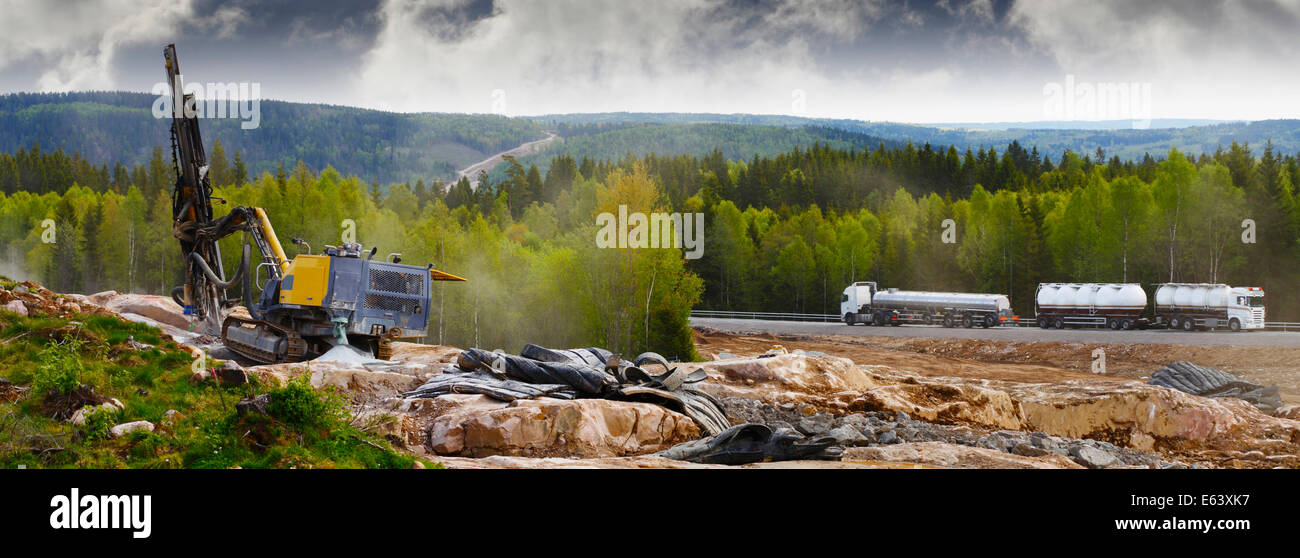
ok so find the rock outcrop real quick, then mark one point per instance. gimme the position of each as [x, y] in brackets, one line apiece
[1127, 414]
[363, 383]
[955, 456]
[158, 308]
[479, 426]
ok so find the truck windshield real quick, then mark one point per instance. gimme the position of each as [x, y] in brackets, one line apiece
[1255, 301]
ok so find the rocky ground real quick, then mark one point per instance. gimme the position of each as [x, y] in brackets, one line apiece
[890, 405]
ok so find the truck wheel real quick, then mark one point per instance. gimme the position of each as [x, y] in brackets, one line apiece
[1126, 325]
[966, 322]
[990, 321]
[947, 321]
[1113, 323]
[1175, 323]
[879, 318]
[1189, 324]
[1234, 325]
[1043, 323]
[1059, 323]
[848, 319]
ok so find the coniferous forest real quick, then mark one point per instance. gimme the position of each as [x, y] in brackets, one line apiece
[784, 233]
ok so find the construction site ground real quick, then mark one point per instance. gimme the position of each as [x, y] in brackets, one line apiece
[1013, 360]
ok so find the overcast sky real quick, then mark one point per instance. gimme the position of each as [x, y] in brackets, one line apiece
[914, 61]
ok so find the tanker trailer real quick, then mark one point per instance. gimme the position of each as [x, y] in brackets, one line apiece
[1113, 305]
[1190, 306]
[896, 307]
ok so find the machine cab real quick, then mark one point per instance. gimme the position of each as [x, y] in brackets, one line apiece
[857, 297]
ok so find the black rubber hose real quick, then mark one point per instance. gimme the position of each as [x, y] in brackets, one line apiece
[219, 282]
[177, 294]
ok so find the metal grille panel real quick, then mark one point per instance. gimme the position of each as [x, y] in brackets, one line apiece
[390, 281]
[376, 301]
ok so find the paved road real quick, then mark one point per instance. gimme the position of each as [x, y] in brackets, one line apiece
[1028, 334]
[491, 162]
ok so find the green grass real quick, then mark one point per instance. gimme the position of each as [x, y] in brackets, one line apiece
[304, 427]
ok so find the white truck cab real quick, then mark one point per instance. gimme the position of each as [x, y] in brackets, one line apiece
[856, 296]
[1246, 304]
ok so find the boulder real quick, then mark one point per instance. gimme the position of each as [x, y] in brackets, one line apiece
[230, 373]
[362, 383]
[1114, 411]
[80, 415]
[1092, 458]
[259, 405]
[129, 427]
[937, 401]
[804, 373]
[158, 308]
[172, 416]
[848, 436]
[956, 456]
[424, 354]
[17, 307]
[102, 298]
[553, 427]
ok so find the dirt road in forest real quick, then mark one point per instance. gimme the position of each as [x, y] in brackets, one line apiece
[488, 164]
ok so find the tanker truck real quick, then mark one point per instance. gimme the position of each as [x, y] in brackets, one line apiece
[862, 302]
[1113, 305]
[1190, 306]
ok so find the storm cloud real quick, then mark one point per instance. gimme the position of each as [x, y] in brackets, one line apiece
[938, 61]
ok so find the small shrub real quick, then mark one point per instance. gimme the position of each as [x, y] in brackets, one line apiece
[298, 404]
[98, 425]
[61, 368]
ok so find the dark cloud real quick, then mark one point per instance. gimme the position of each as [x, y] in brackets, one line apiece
[905, 60]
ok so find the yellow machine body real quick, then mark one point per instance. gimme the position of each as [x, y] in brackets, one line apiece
[306, 281]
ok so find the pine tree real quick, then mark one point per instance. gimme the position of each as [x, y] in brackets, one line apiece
[218, 172]
[241, 173]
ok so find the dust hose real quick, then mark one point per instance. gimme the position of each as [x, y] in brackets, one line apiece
[212, 277]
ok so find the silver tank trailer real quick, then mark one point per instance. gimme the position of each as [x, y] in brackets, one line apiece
[938, 302]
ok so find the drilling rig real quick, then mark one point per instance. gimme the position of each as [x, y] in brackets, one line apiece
[308, 304]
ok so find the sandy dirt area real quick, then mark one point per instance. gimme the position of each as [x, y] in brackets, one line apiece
[1021, 361]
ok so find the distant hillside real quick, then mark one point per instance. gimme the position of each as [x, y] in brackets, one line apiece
[386, 147]
[1126, 143]
[614, 140]
[1080, 124]
[106, 127]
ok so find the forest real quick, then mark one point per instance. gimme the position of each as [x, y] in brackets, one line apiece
[783, 233]
[380, 146]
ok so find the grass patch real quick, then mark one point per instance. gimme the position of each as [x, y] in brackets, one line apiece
[65, 359]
